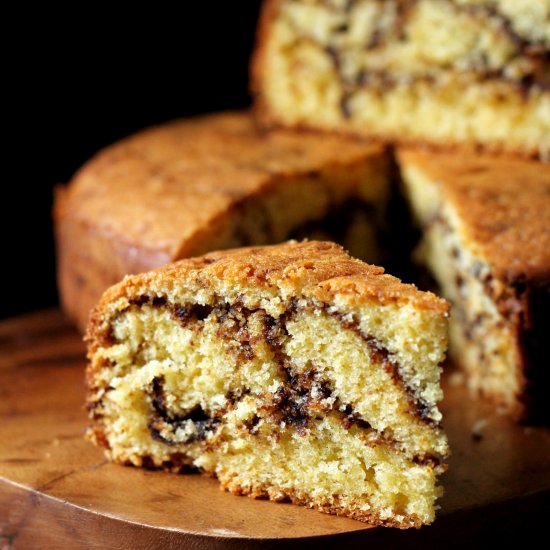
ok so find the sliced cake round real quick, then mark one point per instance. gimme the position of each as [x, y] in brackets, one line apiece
[292, 372]
[212, 182]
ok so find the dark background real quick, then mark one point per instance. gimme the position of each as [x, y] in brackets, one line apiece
[85, 84]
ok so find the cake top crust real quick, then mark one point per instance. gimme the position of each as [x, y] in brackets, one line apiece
[503, 204]
[163, 186]
[314, 270]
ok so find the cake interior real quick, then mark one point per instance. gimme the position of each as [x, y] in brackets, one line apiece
[341, 203]
[457, 71]
[495, 327]
[332, 409]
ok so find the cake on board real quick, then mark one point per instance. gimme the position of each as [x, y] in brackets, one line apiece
[445, 72]
[207, 183]
[294, 371]
[290, 372]
[486, 237]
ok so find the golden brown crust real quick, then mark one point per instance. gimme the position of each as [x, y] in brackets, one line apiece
[221, 158]
[311, 269]
[162, 193]
[503, 203]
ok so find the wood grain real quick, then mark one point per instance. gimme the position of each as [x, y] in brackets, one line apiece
[58, 491]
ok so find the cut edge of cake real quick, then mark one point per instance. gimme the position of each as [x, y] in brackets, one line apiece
[486, 240]
[377, 70]
[289, 372]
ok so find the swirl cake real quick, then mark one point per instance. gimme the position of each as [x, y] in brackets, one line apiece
[486, 238]
[289, 372]
[207, 183]
[447, 72]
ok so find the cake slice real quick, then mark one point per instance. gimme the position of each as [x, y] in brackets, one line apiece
[289, 372]
[206, 183]
[447, 72]
[486, 238]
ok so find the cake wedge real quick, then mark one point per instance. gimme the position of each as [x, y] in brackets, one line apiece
[292, 372]
[486, 239]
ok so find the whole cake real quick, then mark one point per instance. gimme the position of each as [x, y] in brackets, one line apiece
[486, 238]
[207, 183]
[447, 72]
[289, 372]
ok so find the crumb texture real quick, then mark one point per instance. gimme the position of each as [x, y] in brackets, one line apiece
[276, 382]
[442, 71]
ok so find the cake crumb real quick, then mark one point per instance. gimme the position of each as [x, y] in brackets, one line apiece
[478, 427]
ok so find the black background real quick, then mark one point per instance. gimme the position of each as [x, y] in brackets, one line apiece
[77, 86]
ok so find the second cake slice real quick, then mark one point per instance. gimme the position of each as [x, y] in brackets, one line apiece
[292, 372]
[486, 239]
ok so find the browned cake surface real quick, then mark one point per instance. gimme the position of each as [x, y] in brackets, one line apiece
[201, 184]
[503, 203]
[318, 270]
[204, 166]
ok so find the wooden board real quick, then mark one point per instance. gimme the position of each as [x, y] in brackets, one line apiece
[58, 491]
